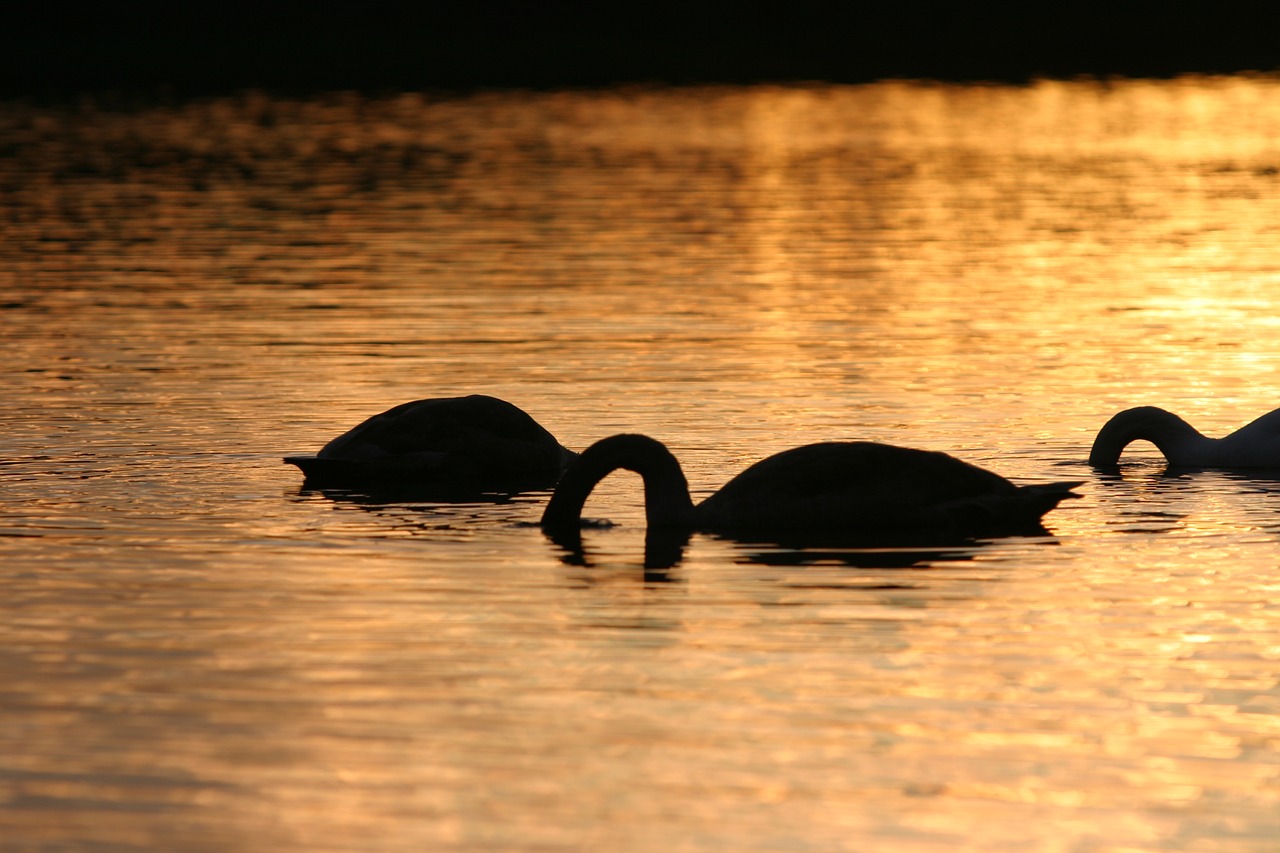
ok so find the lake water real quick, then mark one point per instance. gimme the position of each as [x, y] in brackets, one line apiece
[197, 655]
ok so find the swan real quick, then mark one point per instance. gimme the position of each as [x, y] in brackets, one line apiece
[814, 490]
[473, 441]
[1255, 445]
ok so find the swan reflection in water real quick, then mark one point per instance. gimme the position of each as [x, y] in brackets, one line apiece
[427, 514]
[443, 446]
[1146, 497]
[885, 552]
[664, 548]
[834, 493]
[1255, 445]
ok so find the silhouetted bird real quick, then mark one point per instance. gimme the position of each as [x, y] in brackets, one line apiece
[816, 490]
[1255, 445]
[447, 442]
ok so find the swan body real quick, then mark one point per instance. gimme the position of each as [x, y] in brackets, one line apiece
[1255, 445]
[473, 441]
[829, 488]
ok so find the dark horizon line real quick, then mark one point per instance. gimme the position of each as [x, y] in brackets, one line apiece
[566, 72]
[189, 54]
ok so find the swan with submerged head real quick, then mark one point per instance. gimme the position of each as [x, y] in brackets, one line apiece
[1255, 445]
[474, 441]
[819, 489]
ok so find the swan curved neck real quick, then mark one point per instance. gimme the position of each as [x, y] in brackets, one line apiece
[666, 491]
[1178, 440]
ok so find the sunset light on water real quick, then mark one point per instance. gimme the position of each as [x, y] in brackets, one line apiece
[199, 654]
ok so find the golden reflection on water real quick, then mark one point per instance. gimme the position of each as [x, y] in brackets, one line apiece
[197, 656]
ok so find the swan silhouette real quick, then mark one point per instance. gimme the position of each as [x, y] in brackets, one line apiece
[446, 442]
[813, 491]
[1255, 445]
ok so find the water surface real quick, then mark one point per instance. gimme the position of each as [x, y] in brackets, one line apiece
[196, 654]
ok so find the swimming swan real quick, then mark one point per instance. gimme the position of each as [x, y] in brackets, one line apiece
[473, 441]
[1256, 445]
[831, 488]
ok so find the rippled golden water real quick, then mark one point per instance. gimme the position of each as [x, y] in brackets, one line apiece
[197, 656]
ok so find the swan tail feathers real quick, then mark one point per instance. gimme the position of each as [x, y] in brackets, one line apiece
[1042, 498]
[997, 513]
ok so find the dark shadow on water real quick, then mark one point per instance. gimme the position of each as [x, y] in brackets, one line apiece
[870, 558]
[397, 483]
[886, 538]
[665, 548]
[407, 493]
[885, 550]
[1267, 478]
[1264, 479]
[432, 512]
[1143, 497]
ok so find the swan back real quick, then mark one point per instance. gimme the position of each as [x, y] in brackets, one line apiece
[1254, 445]
[868, 486]
[476, 439]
